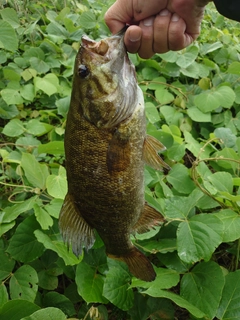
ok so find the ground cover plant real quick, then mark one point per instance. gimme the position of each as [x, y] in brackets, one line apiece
[192, 105]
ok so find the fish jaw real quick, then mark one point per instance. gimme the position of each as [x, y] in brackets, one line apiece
[105, 81]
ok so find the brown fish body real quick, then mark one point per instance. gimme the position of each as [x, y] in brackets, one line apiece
[105, 143]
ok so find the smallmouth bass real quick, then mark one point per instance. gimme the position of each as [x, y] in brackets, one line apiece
[106, 146]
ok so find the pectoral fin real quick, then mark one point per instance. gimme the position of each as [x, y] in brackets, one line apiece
[118, 154]
[150, 153]
[74, 229]
[149, 219]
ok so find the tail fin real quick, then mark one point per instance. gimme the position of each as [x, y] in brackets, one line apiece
[138, 264]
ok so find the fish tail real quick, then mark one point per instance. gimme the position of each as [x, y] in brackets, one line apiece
[138, 264]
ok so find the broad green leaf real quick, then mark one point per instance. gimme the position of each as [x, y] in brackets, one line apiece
[222, 181]
[17, 309]
[46, 280]
[210, 100]
[229, 307]
[7, 112]
[197, 115]
[152, 112]
[38, 128]
[231, 225]
[11, 213]
[154, 246]
[226, 136]
[58, 247]
[202, 287]
[165, 279]
[46, 314]
[90, 283]
[8, 37]
[53, 147]
[179, 178]
[13, 128]
[180, 301]
[163, 95]
[39, 65]
[27, 92]
[10, 15]
[11, 96]
[185, 59]
[116, 285]
[57, 184]
[35, 172]
[57, 300]
[87, 20]
[234, 68]
[199, 237]
[23, 284]
[54, 207]
[42, 217]
[3, 295]
[48, 84]
[171, 115]
[170, 56]
[195, 147]
[6, 266]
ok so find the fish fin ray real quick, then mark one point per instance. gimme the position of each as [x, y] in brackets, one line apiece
[118, 154]
[149, 219]
[138, 264]
[150, 153]
[74, 229]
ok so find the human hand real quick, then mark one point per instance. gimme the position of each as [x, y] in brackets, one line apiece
[156, 26]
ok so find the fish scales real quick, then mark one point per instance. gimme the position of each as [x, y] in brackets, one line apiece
[106, 145]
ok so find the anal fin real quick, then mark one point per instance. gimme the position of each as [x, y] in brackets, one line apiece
[74, 229]
[150, 153]
[138, 264]
[149, 219]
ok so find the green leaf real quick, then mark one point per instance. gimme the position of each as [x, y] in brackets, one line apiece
[210, 100]
[42, 217]
[11, 96]
[57, 185]
[116, 285]
[222, 181]
[7, 112]
[234, 68]
[10, 15]
[152, 112]
[8, 37]
[53, 147]
[180, 301]
[185, 59]
[227, 137]
[17, 309]
[38, 128]
[27, 92]
[199, 237]
[23, 245]
[48, 84]
[35, 172]
[3, 295]
[90, 283]
[13, 128]
[46, 314]
[58, 247]
[57, 300]
[163, 95]
[202, 287]
[87, 20]
[6, 266]
[197, 115]
[229, 307]
[23, 284]
[39, 65]
[179, 178]
[231, 225]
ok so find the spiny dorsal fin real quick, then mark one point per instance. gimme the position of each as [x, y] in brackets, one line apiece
[74, 228]
[150, 153]
[149, 219]
[138, 264]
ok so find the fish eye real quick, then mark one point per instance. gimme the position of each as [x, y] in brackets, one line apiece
[83, 71]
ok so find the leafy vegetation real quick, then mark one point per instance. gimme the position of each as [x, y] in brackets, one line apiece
[192, 106]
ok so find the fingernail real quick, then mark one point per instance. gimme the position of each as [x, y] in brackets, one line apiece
[164, 13]
[134, 38]
[175, 17]
[148, 22]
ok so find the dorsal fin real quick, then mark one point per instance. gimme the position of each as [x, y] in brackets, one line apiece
[150, 153]
[74, 229]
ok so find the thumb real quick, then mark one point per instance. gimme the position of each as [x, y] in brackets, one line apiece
[116, 17]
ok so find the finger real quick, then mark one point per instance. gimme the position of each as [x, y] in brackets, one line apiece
[177, 36]
[146, 48]
[132, 39]
[161, 25]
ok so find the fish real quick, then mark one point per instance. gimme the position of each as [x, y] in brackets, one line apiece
[106, 148]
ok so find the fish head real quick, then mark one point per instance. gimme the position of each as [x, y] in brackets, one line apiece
[105, 81]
